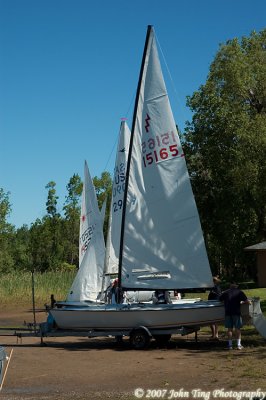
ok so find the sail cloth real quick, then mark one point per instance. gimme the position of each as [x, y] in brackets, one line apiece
[87, 283]
[118, 192]
[258, 319]
[163, 245]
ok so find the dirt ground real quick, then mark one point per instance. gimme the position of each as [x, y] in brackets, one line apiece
[81, 368]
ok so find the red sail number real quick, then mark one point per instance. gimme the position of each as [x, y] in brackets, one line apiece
[163, 154]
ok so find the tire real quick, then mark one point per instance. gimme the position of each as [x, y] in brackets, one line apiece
[139, 339]
[119, 339]
[162, 339]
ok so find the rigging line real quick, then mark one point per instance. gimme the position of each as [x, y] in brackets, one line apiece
[171, 80]
[131, 102]
[111, 153]
[115, 144]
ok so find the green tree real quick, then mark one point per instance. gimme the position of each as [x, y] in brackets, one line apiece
[226, 150]
[6, 233]
[103, 188]
[72, 214]
[21, 249]
[52, 225]
[72, 203]
[51, 203]
[40, 245]
[5, 210]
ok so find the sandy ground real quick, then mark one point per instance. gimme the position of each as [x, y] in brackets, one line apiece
[82, 368]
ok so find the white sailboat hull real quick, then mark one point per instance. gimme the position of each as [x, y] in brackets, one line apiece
[126, 317]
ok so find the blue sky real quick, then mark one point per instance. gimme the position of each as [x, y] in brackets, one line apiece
[69, 71]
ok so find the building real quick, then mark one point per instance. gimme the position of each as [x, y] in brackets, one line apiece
[260, 250]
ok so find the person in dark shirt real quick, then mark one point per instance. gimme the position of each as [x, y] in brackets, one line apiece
[233, 298]
[215, 294]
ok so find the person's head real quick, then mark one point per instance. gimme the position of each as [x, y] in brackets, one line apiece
[233, 283]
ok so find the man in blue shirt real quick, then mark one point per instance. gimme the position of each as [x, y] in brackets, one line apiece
[233, 298]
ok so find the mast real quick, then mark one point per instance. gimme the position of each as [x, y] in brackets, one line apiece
[149, 29]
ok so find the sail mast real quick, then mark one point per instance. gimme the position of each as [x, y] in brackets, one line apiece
[149, 29]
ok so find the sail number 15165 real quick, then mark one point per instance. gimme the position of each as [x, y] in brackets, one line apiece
[158, 155]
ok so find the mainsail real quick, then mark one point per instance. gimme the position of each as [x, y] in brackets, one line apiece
[118, 191]
[162, 244]
[88, 281]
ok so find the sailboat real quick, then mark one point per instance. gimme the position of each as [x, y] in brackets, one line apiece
[161, 240]
[116, 210]
[87, 284]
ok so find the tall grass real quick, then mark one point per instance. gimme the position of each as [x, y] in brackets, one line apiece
[16, 287]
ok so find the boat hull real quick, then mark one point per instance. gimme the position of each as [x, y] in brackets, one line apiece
[122, 316]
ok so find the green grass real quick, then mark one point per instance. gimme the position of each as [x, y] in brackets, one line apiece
[16, 287]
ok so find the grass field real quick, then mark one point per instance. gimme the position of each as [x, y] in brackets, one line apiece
[17, 287]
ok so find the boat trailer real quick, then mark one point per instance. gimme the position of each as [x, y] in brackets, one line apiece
[139, 336]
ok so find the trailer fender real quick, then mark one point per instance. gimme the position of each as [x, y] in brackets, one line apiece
[141, 327]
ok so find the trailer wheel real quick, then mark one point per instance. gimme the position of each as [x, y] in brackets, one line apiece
[119, 339]
[162, 339]
[139, 339]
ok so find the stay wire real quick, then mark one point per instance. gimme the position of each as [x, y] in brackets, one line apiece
[117, 137]
[172, 81]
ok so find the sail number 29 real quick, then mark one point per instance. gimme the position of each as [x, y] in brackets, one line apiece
[118, 187]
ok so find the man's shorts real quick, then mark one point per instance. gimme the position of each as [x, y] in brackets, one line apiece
[233, 321]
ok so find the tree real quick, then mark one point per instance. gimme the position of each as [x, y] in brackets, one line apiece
[52, 198]
[72, 203]
[5, 209]
[40, 245]
[21, 250]
[103, 188]
[72, 215]
[52, 223]
[226, 149]
[6, 233]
